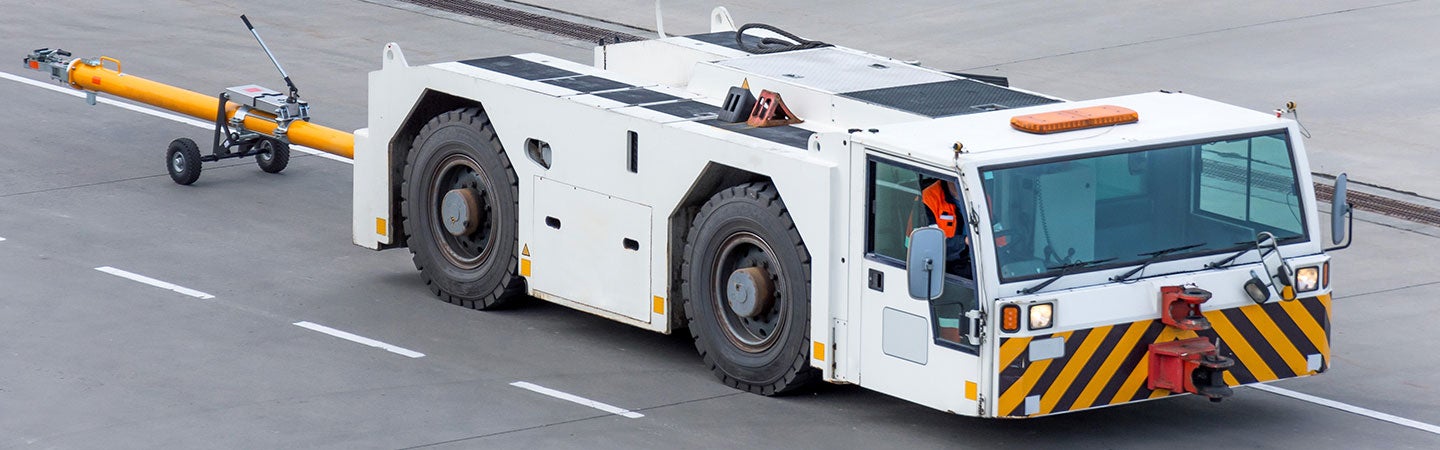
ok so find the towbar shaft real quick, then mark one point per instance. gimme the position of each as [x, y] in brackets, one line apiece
[92, 75]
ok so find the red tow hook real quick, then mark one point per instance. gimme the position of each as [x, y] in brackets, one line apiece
[1190, 365]
[1180, 307]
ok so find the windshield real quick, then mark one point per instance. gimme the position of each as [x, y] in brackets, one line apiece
[1199, 197]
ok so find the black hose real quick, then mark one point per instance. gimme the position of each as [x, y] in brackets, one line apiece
[773, 45]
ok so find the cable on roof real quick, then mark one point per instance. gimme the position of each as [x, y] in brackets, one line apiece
[774, 45]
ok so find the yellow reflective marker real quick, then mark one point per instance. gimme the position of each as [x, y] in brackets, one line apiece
[970, 390]
[658, 305]
[380, 227]
[524, 267]
[819, 352]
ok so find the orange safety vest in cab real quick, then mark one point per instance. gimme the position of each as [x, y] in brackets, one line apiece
[944, 211]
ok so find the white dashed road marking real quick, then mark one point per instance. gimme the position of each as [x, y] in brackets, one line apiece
[1422, 426]
[155, 282]
[578, 399]
[152, 112]
[359, 339]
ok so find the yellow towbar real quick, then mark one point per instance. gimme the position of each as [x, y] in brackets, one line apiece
[93, 75]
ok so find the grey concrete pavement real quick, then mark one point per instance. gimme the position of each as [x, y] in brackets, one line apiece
[1361, 71]
[90, 360]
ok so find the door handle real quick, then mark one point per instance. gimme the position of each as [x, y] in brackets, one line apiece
[877, 280]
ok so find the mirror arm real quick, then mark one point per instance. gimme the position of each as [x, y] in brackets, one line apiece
[929, 274]
[1349, 228]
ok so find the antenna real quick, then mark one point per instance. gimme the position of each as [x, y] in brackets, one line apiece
[294, 92]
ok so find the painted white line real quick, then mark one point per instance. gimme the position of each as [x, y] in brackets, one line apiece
[2, 239]
[1422, 426]
[359, 339]
[578, 399]
[155, 282]
[151, 112]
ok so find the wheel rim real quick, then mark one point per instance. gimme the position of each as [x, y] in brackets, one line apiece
[177, 162]
[464, 250]
[266, 152]
[743, 252]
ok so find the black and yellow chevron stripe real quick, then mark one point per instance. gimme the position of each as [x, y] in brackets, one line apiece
[1108, 365]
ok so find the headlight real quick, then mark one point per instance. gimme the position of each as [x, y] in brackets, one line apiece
[1041, 316]
[1257, 289]
[1307, 279]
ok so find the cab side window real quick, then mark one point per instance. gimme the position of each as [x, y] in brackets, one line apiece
[894, 208]
[893, 193]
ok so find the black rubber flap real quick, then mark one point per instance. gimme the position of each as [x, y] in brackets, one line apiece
[688, 109]
[519, 68]
[784, 134]
[637, 96]
[588, 83]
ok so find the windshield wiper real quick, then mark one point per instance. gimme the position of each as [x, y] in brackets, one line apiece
[1152, 257]
[1249, 245]
[1064, 270]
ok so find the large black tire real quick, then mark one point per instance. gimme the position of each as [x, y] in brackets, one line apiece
[766, 352]
[458, 150]
[273, 155]
[182, 160]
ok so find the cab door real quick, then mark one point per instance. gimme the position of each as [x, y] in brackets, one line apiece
[913, 349]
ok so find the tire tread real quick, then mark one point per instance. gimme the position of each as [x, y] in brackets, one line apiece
[799, 374]
[513, 287]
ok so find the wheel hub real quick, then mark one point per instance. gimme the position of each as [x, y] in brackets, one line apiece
[460, 208]
[749, 292]
[459, 211]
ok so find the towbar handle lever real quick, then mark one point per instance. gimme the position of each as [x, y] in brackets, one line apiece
[294, 92]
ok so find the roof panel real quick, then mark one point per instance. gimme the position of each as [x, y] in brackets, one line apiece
[834, 70]
[950, 98]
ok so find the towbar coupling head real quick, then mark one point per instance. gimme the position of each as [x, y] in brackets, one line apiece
[55, 61]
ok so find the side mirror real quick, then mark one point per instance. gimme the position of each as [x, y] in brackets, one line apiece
[1276, 269]
[1340, 215]
[925, 263]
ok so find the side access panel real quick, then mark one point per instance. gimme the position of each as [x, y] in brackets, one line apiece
[590, 247]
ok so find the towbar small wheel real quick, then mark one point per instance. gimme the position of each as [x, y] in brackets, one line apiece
[182, 160]
[272, 155]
